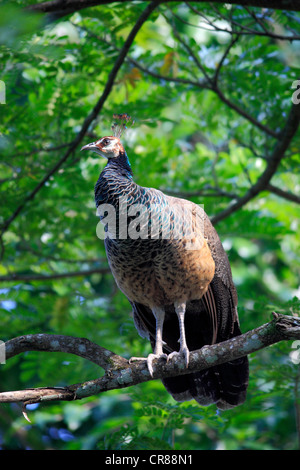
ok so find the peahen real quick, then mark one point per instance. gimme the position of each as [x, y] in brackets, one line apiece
[167, 258]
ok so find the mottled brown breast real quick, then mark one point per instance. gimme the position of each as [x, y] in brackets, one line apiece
[161, 272]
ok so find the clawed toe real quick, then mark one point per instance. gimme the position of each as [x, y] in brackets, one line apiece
[136, 359]
[150, 359]
[182, 354]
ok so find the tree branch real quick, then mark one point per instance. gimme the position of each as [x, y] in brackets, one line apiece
[121, 373]
[206, 83]
[284, 194]
[66, 7]
[94, 113]
[59, 343]
[262, 183]
[190, 52]
[12, 277]
[238, 29]
[211, 82]
[243, 113]
[221, 62]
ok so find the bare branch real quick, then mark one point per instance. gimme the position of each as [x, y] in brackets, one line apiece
[65, 7]
[262, 183]
[121, 373]
[59, 343]
[41, 149]
[221, 62]
[284, 194]
[244, 113]
[243, 30]
[205, 83]
[185, 81]
[190, 52]
[94, 113]
[13, 277]
[25, 246]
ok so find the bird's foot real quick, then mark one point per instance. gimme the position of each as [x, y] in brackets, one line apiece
[149, 360]
[184, 354]
[154, 356]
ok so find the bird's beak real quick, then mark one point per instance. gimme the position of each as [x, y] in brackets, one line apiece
[92, 146]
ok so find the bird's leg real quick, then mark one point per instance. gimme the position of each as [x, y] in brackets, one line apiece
[159, 314]
[158, 353]
[183, 351]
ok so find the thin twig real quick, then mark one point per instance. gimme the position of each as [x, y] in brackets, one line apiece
[13, 277]
[93, 114]
[221, 62]
[204, 84]
[244, 113]
[284, 194]
[239, 28]
[189, 51]
[263, 181]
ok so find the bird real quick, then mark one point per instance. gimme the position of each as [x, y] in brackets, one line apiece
[168, 260]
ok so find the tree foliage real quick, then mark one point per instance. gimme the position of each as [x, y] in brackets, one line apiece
[210, 88]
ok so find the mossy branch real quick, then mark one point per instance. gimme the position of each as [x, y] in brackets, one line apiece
[120, 373]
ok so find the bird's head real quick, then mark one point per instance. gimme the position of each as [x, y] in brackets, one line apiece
[108, 147]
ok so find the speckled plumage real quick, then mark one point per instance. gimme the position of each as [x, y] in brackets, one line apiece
[168, 284]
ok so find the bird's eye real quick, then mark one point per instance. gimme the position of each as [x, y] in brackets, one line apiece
[105, 142]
